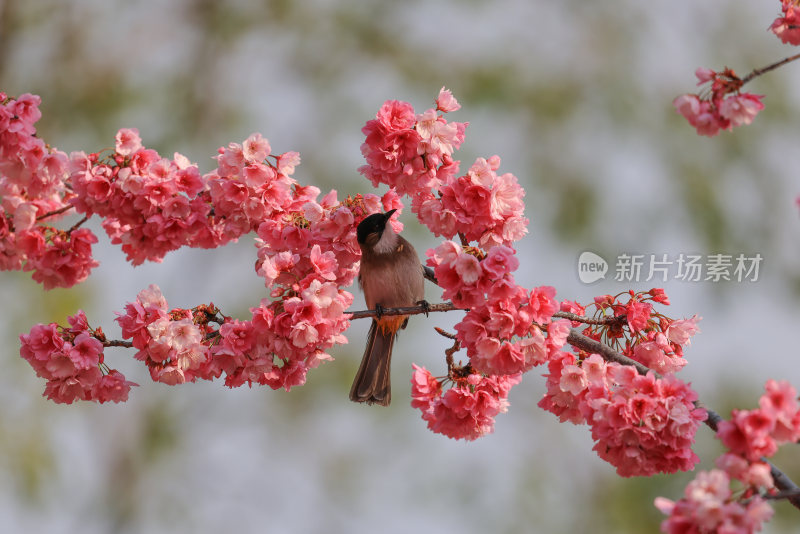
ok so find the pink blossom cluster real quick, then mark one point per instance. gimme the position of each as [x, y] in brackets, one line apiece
[413, 154]
[709, 506]
[467, 409]
[757, 433]
[30, 170]
[787, 26]
[710, 503]
[172, 343]
[723, 107]
[481, 206]
[503, 329]
[306, 255]
[152, 205]
[641, 424]
[307, 252]
[651, 338]
[316, 240]
[32, 188]
[71, 360]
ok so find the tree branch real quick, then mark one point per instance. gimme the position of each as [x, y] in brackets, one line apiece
[118, 343]
[407, 310]
[77, 225]
[576, 339]
[758, 72]
[54, 212]
[789, 489]
[591, 320]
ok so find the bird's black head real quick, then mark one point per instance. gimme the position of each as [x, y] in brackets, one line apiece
[373, 225]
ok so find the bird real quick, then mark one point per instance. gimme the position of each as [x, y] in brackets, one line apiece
[390, 276]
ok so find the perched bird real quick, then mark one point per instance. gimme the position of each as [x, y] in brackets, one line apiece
[391, 276]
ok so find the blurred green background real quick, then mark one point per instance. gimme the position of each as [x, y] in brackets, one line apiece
[575, 97]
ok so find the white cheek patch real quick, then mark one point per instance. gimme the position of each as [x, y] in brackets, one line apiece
[388, 241]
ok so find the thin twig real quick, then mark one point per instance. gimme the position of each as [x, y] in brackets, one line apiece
[117, 343]
[613, 319]
[444, 333]
[782, 495]
[576, 339]
[77, 225]
[452, 350]
[407, 310]
[763, 70]
[54, 212]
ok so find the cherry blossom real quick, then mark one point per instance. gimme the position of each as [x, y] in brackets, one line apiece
[467, 409]
[641, 424]
[71, 360]
[721, 106]
[787, 26]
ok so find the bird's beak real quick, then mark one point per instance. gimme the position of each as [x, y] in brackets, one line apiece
[389, 214]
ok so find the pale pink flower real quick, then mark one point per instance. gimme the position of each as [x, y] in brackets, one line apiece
[573, 380]
[439, 137]
[557, 333]
[128, 141]
[506, 197]
[681, 331]
[256, 174]
[255, 148]
[542, 304]
[704, 75]
[757, 474]
[67, 390]
[151, 298]
[638, 314]
[320, 294]
[595, 368]
[535, 347]
[749, 433]
[780, 403]
[446, 102]
[287, 162]
[787, 27]
[395, 115]
[112, 387]
[699, 113]
[25, 216]
[86, 351]
[313, 212]
[24, 112]
[653, 356]
[707, 506]
[324, 263]
[741, 109]
[499, 261]
[468, 268]
[183, 335]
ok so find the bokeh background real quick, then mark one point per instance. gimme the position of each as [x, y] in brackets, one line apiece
[575, 97]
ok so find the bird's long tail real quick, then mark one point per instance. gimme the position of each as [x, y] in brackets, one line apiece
[373, 380]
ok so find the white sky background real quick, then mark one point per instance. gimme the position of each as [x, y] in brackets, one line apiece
[256, 460]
